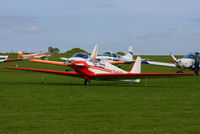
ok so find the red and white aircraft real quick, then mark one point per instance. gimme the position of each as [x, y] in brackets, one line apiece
[33, 56]
[101, 70]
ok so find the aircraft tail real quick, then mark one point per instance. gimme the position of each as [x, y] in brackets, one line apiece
[130, 50]
[136, 68]
[94, 52]
[20, 53]
[129, 55]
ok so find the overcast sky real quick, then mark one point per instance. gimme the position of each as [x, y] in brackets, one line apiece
[150, 26]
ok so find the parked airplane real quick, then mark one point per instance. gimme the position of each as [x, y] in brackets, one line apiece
[33, 55]
[4, 58]
[102, 70]
[116, 58]
[187, 62]
[75, 57]
[110, 57]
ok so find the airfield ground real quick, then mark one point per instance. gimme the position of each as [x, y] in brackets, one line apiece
[64, 105]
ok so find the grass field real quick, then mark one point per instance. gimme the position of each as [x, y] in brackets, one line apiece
[63, 105]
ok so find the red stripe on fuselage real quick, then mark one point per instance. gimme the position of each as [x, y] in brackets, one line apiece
[101, 69]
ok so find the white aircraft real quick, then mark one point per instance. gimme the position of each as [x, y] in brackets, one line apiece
[187, 62]
[4, 58]
[110, 57]
[116, 59]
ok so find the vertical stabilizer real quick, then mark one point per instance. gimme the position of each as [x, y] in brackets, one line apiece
[129, 55]
[136, 68]
[20, 53]
[94, 52]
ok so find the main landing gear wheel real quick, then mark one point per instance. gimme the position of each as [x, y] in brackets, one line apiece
[87, 82]
[179, 72]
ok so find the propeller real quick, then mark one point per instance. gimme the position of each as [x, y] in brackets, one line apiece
[177, 61]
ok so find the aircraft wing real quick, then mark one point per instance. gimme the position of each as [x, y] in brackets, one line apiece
[159, 63]
[10, 60]
[45, 71]
[49, 62]
[127, 76]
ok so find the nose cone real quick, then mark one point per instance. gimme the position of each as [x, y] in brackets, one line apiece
[80, 64]
[185, 63]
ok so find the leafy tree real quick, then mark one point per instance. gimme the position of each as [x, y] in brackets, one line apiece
[53, 50]
[121, 53]
[71, 52]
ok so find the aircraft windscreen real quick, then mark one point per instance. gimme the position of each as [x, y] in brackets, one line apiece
[81, 55]
[107, 54]
[190, 56]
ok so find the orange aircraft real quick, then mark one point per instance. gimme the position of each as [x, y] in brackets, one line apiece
[33, 55]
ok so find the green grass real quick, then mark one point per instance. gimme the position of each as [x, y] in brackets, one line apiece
[63, 105]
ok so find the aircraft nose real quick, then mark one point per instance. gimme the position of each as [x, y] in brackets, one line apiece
[186, 63]
[179, 63]
[79, 64]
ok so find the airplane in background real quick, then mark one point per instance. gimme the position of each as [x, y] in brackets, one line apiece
[110, 57]
[21, 55]
[187, 62]
[102, 70]
[4, 58]
[85, 57]
[116, 58]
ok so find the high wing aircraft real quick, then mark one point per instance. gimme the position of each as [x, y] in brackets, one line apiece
[101, 70]
[187, 62]
[33, 55]
[4, 58]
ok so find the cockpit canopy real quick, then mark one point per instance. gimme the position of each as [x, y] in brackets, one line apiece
[110, 54]
[191, 56]
[81, 55]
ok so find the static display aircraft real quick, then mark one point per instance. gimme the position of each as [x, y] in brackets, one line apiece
[33, 55]
[187, 62]
[110, 57]
[116, 58]
[4, 58]
[102, 70]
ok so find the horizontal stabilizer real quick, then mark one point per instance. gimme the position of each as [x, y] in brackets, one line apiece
[130, 76]
[159, 63]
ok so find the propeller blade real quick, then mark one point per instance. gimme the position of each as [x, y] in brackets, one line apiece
[173, 57]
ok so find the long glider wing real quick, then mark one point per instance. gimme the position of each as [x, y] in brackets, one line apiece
[49, 62]
[122, 76]
[10, 60]
[159, 63]
[45, 71]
